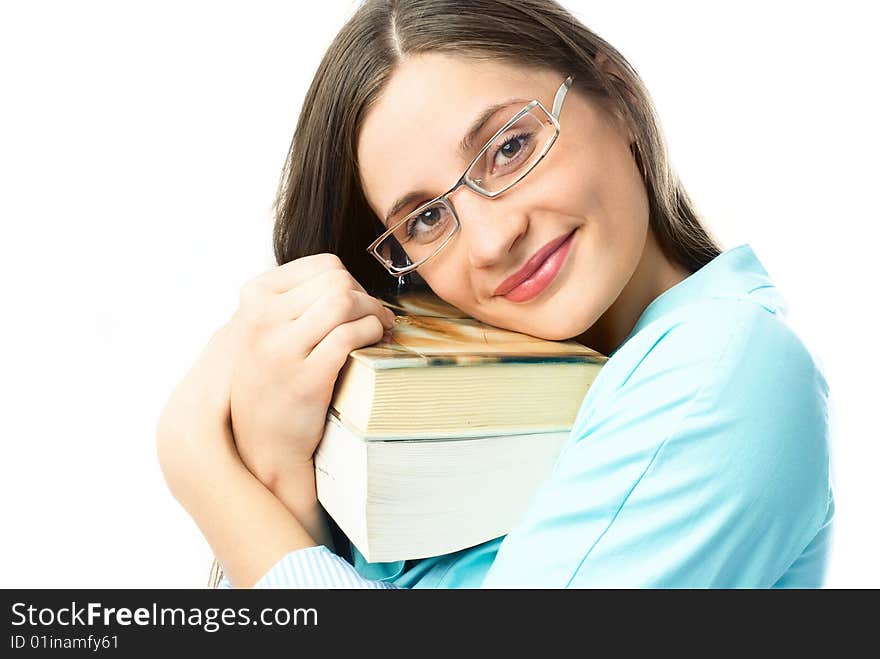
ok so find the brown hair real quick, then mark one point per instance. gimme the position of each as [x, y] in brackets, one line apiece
[320, 206]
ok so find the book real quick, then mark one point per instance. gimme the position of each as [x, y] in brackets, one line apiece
[441, 373]
[439, 436]
[403, 499]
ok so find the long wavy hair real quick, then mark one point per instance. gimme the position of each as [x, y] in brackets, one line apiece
[320, 205]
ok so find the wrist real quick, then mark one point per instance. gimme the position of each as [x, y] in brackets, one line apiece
[294, 485]
[295, 488]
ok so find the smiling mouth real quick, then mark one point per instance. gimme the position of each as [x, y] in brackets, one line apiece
[532, 266]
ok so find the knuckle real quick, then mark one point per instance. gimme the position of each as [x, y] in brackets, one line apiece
[323, 262]
[331, 260]
[343, 339]
[341, 302]
[340, 279]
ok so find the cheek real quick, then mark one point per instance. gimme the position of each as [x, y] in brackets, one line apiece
[595, 175]
[572, 188]
[455, 297]
[448, 283]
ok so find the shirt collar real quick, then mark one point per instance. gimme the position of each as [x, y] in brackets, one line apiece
[734, 274]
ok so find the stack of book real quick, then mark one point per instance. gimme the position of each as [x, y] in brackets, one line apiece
[438, 437]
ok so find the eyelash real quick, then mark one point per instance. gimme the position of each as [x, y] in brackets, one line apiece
[512, 138]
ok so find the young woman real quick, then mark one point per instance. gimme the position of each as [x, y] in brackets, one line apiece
[512, 159]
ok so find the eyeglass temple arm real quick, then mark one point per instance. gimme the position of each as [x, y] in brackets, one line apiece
[560, 96]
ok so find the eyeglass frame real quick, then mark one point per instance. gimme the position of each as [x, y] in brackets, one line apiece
[465, 180]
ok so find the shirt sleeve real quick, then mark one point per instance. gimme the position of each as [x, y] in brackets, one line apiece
[224, 582]
[313, 567]
[706, 467]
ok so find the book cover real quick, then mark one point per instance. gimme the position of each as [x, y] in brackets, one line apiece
[429, 332]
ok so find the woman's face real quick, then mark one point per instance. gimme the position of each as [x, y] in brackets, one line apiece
[588, 187]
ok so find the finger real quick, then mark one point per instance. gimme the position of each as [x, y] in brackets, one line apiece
[294, 308]
[332, 310]
[330, 354]
[290, 275]
[293, 303]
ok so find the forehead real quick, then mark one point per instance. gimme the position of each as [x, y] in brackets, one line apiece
[409, 139]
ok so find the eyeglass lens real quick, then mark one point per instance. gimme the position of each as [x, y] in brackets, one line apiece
[507, 160]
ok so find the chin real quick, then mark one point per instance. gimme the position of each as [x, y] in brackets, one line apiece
[552, 330]
[542, 323]
[555, 333]
[558, 335]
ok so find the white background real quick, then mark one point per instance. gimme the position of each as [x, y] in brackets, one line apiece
[140, 147]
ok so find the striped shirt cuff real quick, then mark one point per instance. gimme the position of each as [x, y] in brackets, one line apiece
[313, 567]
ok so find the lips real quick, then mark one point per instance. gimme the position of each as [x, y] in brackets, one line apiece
[531, 266]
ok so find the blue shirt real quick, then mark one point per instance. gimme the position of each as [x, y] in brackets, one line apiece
[699, 458]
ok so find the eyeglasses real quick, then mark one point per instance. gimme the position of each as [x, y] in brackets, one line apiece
[505, 160]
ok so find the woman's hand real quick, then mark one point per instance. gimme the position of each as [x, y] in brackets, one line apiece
[292, 333]
[257, 397]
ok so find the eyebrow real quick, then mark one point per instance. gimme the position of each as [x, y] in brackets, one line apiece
[463, 148]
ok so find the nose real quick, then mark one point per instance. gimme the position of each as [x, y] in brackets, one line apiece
[490, 228]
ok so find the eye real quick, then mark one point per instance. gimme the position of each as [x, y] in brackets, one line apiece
[427, 224]
[514, 149]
